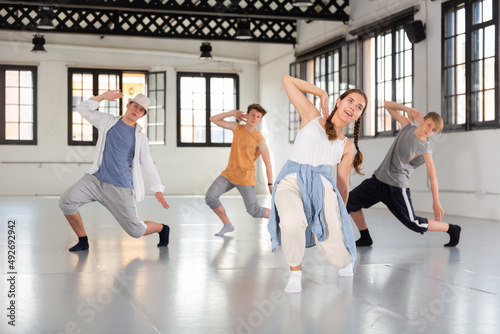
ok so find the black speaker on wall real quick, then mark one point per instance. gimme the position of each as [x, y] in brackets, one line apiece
[415, 31]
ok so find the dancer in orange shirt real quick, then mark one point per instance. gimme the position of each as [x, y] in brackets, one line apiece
[248, 144]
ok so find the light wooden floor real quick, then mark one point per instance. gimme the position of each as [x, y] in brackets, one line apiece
[405, 283]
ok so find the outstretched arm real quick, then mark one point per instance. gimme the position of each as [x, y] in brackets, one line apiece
[413, 114]
[431, 171]
[295, 89]
[219, 119]
[266, 157]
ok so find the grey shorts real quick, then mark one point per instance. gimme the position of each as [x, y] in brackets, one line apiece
[222, 185]
[119, 201]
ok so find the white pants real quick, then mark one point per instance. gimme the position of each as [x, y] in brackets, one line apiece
[293, 224]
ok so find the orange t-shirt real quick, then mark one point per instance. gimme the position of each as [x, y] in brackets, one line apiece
[240, 169]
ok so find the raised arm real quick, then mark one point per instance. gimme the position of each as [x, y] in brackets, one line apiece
[110, 95]
[394, 109]
[88, 108]
[344, 170]
[230, 125]
[431, 172]
[266, 157]
[295, 89]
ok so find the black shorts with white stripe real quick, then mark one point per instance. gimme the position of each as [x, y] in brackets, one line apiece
[397, 200]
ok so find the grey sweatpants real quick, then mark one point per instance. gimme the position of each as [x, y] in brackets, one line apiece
[119, 201]
[222, 185]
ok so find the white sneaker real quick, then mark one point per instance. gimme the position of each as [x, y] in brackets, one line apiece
[347, 271]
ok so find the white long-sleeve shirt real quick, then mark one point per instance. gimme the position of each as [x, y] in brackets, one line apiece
[142, 154]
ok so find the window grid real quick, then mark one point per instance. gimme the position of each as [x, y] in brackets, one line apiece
[482, 63]
[109, 81]
[83, 84]
[18, 105]
[454, 65]
[392, 75]
[333, 71]
[470, 64]
[348, 76]
[157, 112]
[384, 79]
[200, 96]
[222, 98]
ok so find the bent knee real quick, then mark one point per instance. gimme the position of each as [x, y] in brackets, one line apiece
[136, 233]
[212, 201]
[135, 230]
[256, 211]
[67, 207]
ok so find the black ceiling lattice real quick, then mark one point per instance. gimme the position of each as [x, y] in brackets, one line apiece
[271, 21]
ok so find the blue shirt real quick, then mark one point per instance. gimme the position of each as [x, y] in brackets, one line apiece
[118, 156]
[312, 192]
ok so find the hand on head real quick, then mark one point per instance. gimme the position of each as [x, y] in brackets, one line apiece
[240, 116]
[112, 95]
[415, 115]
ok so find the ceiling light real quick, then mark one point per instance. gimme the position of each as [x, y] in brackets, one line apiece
[244, 30]
[302, 3]
[206, 50]
[45, 22]
[38, 42]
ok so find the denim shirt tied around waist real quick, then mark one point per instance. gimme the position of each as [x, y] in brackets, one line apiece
[312, 192]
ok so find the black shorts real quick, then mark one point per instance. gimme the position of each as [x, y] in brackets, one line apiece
[397, 200]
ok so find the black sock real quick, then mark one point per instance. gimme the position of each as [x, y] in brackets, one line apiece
[164, 236]
[365, 239]
[454, 232]
[83, 244]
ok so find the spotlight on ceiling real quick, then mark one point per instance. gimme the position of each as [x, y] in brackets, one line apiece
[45, 22]
[302, 3]
[38, 42]
[244, 30]
[206, 50]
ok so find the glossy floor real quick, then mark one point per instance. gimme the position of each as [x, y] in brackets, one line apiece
[405, 283]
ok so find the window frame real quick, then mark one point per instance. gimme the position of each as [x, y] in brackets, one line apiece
[153, 105]
[95, 91]
[207, 76]
[303, 62]
[34, 72]
[470, 123]
[392, 27]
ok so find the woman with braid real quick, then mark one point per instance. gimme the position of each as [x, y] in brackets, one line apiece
[308, 206]
[390, 182]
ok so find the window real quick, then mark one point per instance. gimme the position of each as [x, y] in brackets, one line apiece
[156, 114]
[333, 69]
[85, 83]
[470, 64]
[200, 96]
[388, 75]
[18, 105]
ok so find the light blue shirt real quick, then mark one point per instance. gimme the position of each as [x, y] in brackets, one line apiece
[312, 192]
[116, 166]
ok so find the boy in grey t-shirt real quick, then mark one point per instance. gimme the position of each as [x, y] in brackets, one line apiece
[390, 182]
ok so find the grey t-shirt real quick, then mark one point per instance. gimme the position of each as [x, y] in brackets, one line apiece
[403, 157]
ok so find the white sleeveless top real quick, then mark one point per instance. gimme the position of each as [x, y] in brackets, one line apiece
[312, 147]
